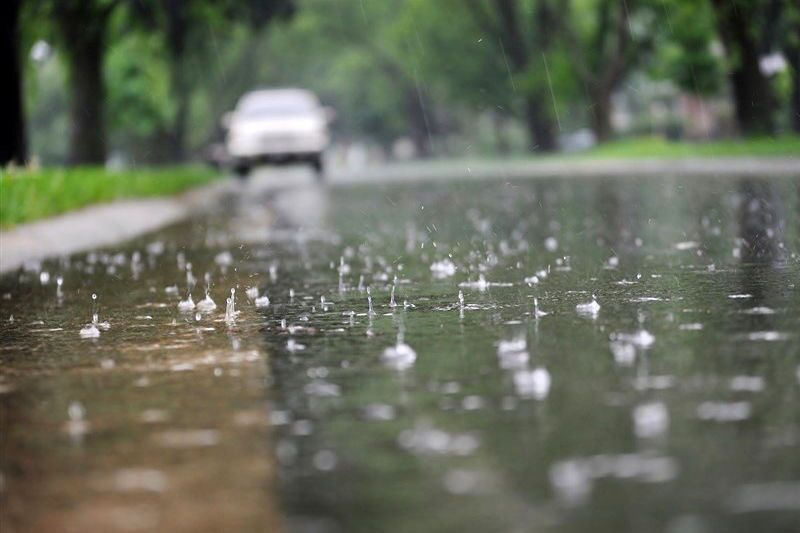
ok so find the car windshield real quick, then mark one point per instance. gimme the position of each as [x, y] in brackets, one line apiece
[276, 105]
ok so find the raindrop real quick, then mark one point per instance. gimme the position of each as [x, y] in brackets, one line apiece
[92, 331]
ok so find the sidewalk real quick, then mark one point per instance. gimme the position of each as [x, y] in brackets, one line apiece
[99, 225]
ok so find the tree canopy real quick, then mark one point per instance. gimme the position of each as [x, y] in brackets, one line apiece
[148, 81]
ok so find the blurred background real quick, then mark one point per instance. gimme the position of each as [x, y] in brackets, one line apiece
[140, 82]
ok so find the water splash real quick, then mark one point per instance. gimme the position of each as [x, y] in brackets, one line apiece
[262, 301]
[344, 268]
[650, 420]
[369, 302]
[534, 384]
[538, 313]
[392, 303]
[207, 304]
[400, 356]
[589, 309]
[251, 292]
[482, 284]
[424, 439]
[59, 292]
[92, 331]
[191, 281]
[443, 269]
[230, 308]
[294, 346]
[186, 305]
[76, 425]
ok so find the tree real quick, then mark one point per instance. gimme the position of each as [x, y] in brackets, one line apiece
[13, 146]
[738, 24]
[83, 28]
[604, 49]
[373, 42]
[683, 47]
[791, 49]
[526, 33]
[184, 24]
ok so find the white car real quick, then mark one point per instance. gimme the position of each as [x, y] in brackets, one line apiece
[277, 126]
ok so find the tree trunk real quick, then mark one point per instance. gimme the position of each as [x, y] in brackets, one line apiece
[601, 114]
[177, 26]
[501, 144]
[792, 53]
[794, 109]
[752, 95]
[178, 137]
[539, 123]
[13, 147]
[84, 31]
[540, 126]
[419, 125]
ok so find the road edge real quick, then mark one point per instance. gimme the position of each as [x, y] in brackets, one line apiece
[100, 225]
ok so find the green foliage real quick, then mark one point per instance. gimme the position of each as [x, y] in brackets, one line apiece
[138, 86]
[685, 52]
[788, 146]
[376, 60]
[27, 195]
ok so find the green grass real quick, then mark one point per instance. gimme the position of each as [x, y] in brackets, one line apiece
[27, 195]
[661, 148]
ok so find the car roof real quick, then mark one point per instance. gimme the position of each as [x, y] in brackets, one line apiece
[278, 97]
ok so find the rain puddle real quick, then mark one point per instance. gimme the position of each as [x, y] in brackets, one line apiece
[574, 355]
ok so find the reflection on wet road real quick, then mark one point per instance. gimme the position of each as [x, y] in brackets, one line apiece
[574, 354]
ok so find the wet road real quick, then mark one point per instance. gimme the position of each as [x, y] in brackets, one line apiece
[624, 356]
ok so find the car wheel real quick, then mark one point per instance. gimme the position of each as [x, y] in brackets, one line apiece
[241, 171]
[318, 166]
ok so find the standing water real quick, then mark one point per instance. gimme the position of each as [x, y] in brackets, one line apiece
[674, 408]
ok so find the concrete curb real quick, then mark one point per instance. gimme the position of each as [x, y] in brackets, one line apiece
[99, 225]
